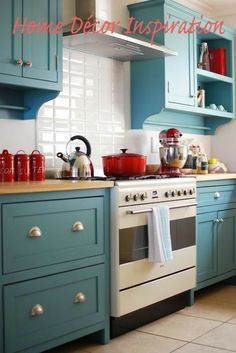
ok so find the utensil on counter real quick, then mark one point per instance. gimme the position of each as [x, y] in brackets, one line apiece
[124, 164]
[77, 164]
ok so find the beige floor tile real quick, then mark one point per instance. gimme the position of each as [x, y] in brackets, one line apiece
[181, 327]
[232, 321]
[211, 310]
[196, 348]
[221, 337]
[136, 342]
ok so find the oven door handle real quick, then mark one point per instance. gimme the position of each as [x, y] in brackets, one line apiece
[148, 210]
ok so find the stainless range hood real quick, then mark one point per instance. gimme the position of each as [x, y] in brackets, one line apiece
[116, 45]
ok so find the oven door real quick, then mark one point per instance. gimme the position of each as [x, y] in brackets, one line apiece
[133, 268]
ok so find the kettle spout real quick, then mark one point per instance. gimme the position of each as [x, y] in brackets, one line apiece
[63, 157]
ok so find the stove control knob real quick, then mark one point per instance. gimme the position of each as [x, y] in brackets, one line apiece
[173, 193]
[167, 194]
[191, 191]
[135, 197]
[185, 192]
[127, 198]
[142, 197]
[179, 192]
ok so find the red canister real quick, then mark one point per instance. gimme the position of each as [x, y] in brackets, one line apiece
[22, 168]
[37, 166]
[6, 166]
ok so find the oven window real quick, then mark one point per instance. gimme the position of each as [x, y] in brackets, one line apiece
[133, 242]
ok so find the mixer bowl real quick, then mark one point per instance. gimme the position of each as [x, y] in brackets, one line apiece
[173, 156]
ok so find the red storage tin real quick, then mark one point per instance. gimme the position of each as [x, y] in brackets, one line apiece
[6, 166]
[22, 169]
[218, 60]
[37, 166]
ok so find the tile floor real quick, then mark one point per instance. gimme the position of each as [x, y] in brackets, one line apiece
[209, 326]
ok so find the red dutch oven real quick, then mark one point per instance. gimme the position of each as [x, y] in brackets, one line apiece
[124, 164]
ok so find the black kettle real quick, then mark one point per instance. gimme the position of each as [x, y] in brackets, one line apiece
[77, 164]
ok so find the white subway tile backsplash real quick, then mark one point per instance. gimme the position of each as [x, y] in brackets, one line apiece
[91, 104]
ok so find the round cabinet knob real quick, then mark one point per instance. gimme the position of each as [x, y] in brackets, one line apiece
[216, 195]
[142, 197]
[221, 220]
[19, 62]
[77, 227]
[28, 63]
[135, 197]
[80, 298]
[127, 198]
[35, 232]
[37, 310]
[216, 221]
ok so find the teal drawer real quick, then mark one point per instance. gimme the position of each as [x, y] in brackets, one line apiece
[70, 301]
[214, 195]
[69, 230]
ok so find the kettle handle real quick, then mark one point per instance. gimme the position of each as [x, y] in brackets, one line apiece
[87, 144]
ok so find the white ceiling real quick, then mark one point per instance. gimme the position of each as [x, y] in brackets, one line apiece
[221, 7]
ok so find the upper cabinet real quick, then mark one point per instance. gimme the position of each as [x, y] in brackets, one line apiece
[164, 91]
[30, 63]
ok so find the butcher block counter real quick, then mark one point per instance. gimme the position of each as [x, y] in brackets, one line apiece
[212, 177]
[52, 185]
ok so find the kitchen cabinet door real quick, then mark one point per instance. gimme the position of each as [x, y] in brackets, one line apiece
[11, 44]
[226, 241]
[41, 49]
[206, 246]
[180, 69]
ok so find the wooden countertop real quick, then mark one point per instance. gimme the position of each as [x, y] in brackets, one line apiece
[52, 185]
[216, 176]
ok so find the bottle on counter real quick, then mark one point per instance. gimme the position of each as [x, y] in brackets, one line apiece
[195, 151]
[204, 164]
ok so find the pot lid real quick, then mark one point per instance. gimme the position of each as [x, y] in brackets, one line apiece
[123, 154]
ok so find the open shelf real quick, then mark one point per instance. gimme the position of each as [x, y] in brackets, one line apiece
[208, 76]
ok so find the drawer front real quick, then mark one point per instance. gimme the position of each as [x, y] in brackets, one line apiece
[37, 234]
[215, 195]
[38, 311]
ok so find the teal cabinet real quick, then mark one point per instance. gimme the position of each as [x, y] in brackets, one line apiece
[164, 91]
[216, 231]
[30, 64]
[206, 246]
[54, 264]
[11, 50]
[180, 70]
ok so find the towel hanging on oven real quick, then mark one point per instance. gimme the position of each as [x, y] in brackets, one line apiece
[159, 238]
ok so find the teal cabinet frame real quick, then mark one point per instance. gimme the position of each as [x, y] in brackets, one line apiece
[156, 102]
[24, 88]
[44, 281]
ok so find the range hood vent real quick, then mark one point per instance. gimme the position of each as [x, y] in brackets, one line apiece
[114, 45]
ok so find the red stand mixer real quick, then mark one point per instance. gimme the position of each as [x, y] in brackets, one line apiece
[173, 154]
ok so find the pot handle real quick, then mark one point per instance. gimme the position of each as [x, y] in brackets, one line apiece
[61, 156]
[124, 150]
[87, 144]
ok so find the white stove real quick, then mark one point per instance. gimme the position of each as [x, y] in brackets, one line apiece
[136, 283]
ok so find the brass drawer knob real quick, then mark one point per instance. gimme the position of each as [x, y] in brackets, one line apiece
[77, 227]
[37, 310]
[19, 62]
[216, 195]
[80, 298]
[35, 232]
[28, 63]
